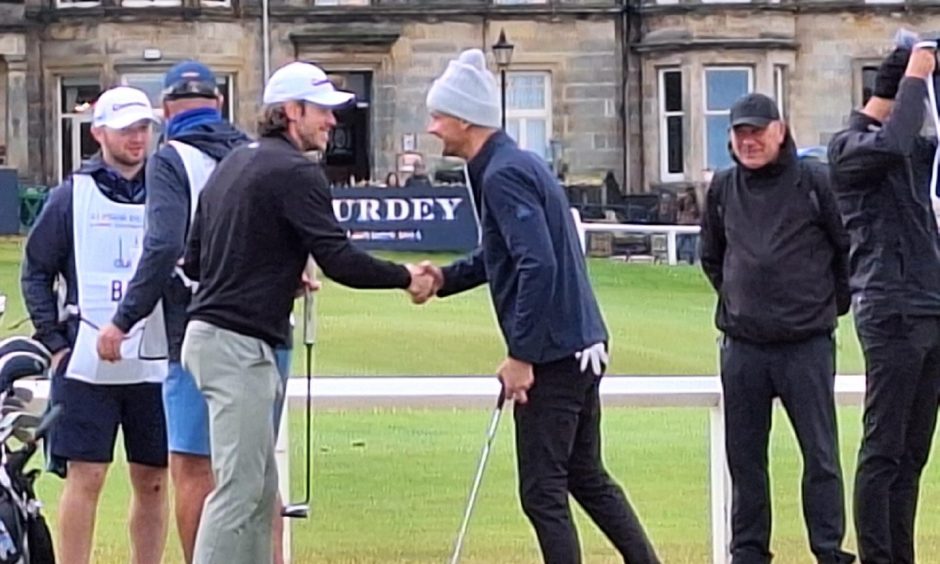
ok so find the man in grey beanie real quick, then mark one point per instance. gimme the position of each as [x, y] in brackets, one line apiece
[557, 342]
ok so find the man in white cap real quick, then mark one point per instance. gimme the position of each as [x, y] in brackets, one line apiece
[557, 342]
[263, 212]
[89, 237]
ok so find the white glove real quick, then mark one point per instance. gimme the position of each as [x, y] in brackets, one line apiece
[596, 356]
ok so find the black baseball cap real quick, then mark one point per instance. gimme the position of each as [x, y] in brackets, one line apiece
[756, 110]
[190, 79]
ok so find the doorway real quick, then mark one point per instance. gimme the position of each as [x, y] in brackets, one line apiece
[348, 156]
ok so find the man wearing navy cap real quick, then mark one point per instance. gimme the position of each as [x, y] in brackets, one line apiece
[197, 138]
[774, 249]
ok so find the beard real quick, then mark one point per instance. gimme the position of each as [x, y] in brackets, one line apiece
[313, 141]
[125, 159]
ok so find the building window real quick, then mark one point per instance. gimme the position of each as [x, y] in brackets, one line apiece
[150, 3]
[342, 2]
[152, 84]
[780, 88]
[723, 86]
[869, 72]
[76, 144]
[529, 110]
[671, 121]
[77, 3]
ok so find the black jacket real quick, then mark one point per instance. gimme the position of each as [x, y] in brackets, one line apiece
[263, 211]
[881, 177]
[531, 256]
[168, 211]
[774, 248]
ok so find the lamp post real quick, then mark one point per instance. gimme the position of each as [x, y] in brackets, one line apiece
[502, 51]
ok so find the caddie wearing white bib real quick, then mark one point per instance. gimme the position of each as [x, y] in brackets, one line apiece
[89, 238]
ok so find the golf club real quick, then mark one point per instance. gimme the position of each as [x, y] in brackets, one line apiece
[478, 479]
[301, 510]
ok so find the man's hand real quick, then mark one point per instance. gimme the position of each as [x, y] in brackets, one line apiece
[922, 63]
[422, 285]
[517, 377]
[436, 273]
[110, 338]
[57, 360]
[307, 284]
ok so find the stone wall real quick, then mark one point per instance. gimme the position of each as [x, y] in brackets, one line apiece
[582, 56]
[110, 49]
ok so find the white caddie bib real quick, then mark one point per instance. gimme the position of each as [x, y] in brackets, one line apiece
[199, 167]
[108, 240]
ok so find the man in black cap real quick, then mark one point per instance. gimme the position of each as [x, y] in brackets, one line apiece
[774, 249]
[881, 175]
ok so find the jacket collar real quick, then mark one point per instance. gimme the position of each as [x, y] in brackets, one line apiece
[479, 163]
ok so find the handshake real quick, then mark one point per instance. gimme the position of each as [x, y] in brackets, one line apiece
[426, 281]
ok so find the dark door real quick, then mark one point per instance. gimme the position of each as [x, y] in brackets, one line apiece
[348, 156]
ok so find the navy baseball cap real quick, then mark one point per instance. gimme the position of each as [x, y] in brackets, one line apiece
[189, 79]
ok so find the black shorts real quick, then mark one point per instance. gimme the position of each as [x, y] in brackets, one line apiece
[87, 428]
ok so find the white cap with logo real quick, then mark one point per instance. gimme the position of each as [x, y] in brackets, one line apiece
[122, 107]
[297, 81]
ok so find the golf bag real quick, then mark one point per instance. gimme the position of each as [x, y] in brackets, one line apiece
[24, 535]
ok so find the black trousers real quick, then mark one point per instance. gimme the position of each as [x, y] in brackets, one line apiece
[802, 375]
[558, 444]
[902, 366]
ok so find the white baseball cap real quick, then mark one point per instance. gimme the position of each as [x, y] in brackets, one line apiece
[304, 82]
[122, 107]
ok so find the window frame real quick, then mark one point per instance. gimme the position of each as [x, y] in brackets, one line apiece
[706, 113]
[523, 115]
[665, 175]
[77, 118]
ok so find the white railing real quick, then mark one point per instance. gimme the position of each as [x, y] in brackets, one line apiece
[630, 391]
[669, 230]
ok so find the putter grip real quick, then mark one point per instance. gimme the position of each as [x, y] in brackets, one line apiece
[309, 331]
[502, 397]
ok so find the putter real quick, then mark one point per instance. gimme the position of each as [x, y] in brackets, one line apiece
[478, 479]
[301, 510]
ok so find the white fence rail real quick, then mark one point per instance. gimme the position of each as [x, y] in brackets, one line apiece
[631, 391]
[669, 230]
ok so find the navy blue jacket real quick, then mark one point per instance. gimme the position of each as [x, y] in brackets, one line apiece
[881, 179]
[530, 255]
[50, 252]
[168, 211]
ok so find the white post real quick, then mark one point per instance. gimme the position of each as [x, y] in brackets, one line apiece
[282, 458]
[582, 237]
[671, 249]
[720, 487]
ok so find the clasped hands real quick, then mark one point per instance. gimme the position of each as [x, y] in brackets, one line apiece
[426, 281]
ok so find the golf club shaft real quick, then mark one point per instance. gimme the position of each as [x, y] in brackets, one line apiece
[478, 478]
[309, 340]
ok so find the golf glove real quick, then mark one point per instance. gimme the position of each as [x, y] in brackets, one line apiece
[594, 356]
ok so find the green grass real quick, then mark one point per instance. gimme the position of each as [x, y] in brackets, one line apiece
[660, 320]
[399, 498]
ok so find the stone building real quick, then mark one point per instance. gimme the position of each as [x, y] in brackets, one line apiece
[564, 88]
[637, 87]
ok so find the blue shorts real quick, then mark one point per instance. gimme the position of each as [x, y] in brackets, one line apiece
[87, 428]
[187, 416]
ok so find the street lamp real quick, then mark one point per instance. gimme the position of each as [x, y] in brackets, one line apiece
[502, 50]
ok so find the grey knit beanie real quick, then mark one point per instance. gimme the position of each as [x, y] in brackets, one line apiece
[467, 90]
